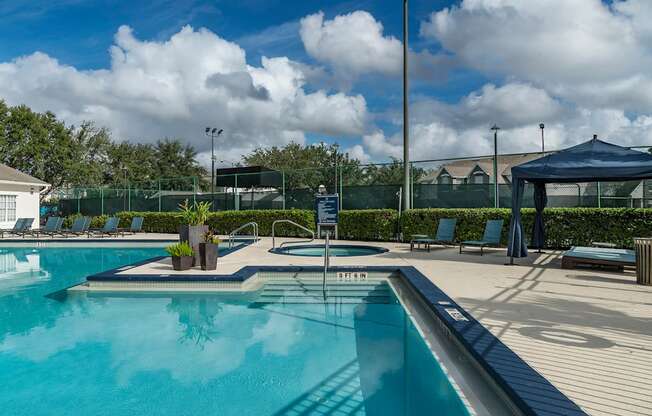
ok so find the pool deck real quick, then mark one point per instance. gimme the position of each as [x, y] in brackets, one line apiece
[588, 331]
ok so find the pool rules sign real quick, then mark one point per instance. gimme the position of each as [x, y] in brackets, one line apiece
[327, 209]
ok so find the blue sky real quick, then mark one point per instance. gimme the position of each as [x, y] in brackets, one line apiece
[480, 61]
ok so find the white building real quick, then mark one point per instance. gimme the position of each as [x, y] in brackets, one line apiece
[19, 196]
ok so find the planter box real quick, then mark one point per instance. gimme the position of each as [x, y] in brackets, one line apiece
[193, 234]
[182, 263]
[208, 256]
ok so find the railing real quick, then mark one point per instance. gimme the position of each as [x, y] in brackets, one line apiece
[296, 225]
[327, 262]
[235, 232]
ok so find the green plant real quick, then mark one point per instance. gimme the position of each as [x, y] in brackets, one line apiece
[181, 249]
[195, 214]
[211, 238]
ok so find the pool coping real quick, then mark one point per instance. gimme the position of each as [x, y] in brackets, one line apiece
[526, 388]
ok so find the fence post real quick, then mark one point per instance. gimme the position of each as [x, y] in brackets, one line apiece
[283, 186]
[159, 195]
[236, 199]
[599, 202]
[102, 200]
[129, 196]
[341, 190]
[194, 192]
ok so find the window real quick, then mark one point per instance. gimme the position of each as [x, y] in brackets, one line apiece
[7, 208]
[480, 178]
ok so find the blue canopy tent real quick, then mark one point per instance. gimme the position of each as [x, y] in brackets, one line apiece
[591, 161]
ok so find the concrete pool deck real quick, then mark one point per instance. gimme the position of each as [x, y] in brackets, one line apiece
[588, 331]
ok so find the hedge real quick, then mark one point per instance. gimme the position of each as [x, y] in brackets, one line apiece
[565, 227]
[380, 224]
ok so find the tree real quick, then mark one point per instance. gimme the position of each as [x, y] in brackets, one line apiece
[305, 166]
[85, 156]
[389, 174]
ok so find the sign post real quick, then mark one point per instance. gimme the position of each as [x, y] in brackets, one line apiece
[327, 209]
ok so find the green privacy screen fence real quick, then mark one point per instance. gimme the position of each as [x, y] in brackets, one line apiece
[446, 183]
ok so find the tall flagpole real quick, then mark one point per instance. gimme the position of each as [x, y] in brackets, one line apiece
[406, 129]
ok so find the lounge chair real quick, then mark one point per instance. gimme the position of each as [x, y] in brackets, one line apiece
[135, 227]
[18, 226]
[52, 226]
[491, 237]
[110, 228]
[598, 256]
[445, 235]
[79, 226]
[21, 227]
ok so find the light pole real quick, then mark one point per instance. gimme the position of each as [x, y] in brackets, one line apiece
[212, 132]
[543, 147]
[406, 127]
[495, 129]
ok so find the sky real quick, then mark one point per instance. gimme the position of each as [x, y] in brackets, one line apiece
[270, 72]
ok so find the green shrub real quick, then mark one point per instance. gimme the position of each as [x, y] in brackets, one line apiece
[368, 224]
[224, 222]
[181, 249]
[96, 222]
[564, 227]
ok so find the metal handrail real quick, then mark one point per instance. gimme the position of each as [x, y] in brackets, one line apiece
[326, 262]
[296, 225]
[233, 233]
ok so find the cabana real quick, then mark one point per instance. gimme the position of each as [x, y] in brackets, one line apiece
[591, 161]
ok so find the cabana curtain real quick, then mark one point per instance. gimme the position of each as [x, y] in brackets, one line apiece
[590, 161]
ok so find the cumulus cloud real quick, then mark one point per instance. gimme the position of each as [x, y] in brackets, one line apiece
[586, 51]
[354, 44]
[174, 88]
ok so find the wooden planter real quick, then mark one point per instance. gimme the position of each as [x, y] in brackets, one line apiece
[193, 234]
[208, 256]
[182, 263]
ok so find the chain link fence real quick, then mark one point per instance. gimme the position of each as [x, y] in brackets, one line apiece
[446, 183]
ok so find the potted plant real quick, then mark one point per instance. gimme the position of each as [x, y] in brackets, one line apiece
[208, 251]
[194, 225]
[182, 255]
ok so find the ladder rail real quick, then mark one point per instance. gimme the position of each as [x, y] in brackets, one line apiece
[326, 262]
[235, 232]
[312, 233]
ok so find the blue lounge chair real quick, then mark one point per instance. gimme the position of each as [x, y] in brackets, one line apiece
[445, 235]
[598, 256]
[79, 226]
[52, 226]
[110, 228]
[491, 237]
[135, 227]
[18, 227]
[21, 227]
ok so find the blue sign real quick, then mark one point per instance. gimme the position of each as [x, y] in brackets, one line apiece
[327, 207]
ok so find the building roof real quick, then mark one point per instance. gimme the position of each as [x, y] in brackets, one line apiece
[464, 168]
[11, 175]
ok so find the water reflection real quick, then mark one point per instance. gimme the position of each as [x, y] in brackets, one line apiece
[20, 268]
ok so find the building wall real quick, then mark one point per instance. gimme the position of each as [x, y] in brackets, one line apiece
[27, 203]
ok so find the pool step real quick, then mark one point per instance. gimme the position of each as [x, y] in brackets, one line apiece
[311, 291]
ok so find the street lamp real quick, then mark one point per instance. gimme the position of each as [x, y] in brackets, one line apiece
[543, 147]
[406, 127]
[212, 132]
[495, 129]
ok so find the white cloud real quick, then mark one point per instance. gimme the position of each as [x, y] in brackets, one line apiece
[585, 51]
[440, 130]
[176, 87]
[354, 44]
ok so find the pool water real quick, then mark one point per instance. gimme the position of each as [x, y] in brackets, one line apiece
[163, 354]
[334, 250]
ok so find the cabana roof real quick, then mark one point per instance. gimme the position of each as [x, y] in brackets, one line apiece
[590, 161]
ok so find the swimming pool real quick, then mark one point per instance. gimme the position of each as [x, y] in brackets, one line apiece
[191, 354]
[335, 250]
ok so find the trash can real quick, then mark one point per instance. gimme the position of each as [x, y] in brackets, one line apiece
[643, 248]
